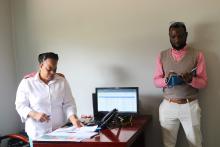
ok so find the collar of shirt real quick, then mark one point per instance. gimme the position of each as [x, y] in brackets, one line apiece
[179, 54]
[37, 78]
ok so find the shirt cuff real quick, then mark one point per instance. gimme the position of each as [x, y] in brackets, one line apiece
[70, 113]
[25, 113]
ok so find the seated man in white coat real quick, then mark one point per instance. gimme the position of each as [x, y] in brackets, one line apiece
[44, 100]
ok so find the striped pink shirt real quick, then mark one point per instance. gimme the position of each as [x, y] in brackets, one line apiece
[200, 81]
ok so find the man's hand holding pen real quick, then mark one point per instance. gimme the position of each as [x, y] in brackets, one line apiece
[187, 77]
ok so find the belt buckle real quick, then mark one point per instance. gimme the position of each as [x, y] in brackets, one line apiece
[187, 100]
[182, 101]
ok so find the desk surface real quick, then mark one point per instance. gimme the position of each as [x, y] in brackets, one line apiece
[118, 137]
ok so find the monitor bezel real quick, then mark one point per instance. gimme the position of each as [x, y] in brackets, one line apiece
[96, 112]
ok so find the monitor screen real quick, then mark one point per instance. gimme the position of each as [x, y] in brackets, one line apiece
[124, 99]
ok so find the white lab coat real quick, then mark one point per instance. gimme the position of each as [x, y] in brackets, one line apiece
[54, 99]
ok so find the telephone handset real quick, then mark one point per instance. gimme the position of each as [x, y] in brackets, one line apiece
[107, 119]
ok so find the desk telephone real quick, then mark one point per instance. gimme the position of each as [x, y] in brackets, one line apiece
[107, 119]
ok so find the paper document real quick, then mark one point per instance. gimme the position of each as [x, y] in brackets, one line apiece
[88, 128]
[70, 134]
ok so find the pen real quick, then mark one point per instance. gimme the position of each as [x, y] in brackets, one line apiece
[193, 69]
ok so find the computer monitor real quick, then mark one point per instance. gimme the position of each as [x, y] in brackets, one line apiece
[124, 99]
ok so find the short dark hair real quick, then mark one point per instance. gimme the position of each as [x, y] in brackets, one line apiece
[44, 56]
[178, 25]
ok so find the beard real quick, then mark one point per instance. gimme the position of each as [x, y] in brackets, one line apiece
[178, 46]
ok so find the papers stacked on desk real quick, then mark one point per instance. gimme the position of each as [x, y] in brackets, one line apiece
[70, 134]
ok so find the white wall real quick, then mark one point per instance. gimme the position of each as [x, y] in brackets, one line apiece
[9, 121]
[115, 43]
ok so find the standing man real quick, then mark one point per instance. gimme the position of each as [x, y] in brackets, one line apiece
[181, 72]
[44, 100]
